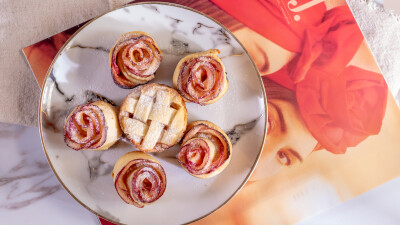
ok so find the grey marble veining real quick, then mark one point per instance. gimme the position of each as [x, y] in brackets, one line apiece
[58, 88]
[27, 177]
[152, 8]
[106, 50]
[29, 191]
[241, 129]
[219, 36]
[92, 97]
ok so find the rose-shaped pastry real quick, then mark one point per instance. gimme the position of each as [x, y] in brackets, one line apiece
[201, 77]
[134, 59]
[139, 178]
[153, 117]
[205, 150]
[92, 126]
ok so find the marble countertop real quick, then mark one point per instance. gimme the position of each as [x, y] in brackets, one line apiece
[29, 192]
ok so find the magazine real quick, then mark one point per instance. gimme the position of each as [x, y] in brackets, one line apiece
[333, 126]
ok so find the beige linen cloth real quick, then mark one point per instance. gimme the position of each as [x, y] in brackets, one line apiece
[23, 23]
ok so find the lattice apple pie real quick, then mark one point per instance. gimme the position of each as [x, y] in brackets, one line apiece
[153, 117]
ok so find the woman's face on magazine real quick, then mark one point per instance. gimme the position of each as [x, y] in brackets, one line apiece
[288, 141]
[268, 56]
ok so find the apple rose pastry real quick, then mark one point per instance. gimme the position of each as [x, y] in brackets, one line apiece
[139, 178]
[201, 77]
[92, 126]
[205, 150]
[134, 59]
[153, 117]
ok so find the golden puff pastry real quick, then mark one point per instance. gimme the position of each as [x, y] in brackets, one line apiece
[139, 178]
[153, 117]
[205, 150]
[201, 77]
[134, 59]
[93, 126]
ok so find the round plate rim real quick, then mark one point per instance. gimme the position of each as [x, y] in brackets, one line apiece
[41, 112]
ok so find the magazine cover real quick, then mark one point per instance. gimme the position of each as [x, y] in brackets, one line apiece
[333, 126]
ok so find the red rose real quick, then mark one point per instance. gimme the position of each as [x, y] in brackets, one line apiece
[341, 111]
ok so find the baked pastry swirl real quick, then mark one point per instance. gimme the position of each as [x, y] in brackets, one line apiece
[134, 59]
[139, 178]
[201, 77]
[153, 117]
[205, 150]
[92, 126]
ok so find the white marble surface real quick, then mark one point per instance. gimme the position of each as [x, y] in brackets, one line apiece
[393, 5]
[29, 192]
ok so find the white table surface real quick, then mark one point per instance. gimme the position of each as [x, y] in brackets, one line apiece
[31, 194]
[29, 191]
[392, 5]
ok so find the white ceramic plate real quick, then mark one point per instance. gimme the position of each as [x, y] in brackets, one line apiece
[82, 65]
